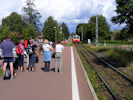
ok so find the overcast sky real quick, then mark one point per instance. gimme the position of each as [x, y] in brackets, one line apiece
[71, 12]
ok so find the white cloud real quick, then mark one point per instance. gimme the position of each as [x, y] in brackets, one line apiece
[72, 12]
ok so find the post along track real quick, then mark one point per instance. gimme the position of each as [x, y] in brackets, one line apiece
[112, 78]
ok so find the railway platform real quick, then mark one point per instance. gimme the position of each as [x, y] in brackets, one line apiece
[72, 84]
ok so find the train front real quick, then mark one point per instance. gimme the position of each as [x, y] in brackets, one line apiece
[76, 39]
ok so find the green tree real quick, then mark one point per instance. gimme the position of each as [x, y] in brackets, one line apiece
[60, 36]
[13, 36]
[29, 32]
[0, 29]
[14, 21]
[65, 30]
[49, 30]
[30, 15]
[79, 30]
[103, 28]
[116, 31]
[6, 32]
[124, 14]
[122, 35]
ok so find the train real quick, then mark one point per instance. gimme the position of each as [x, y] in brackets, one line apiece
[76, 39]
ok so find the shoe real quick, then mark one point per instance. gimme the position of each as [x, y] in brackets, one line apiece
[13, 77]
[34, 70]
[4, 78]
[15, 74]
[61, 72]
[22, 70]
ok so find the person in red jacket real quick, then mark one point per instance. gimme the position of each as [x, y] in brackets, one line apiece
[25, 44]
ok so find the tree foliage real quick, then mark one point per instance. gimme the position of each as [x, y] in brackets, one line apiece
[103, 28]
[28, 23]
[5, 32]
[49, 30]
[116, 31]
[30, 15]
[29, 32]
[14, 21]
[124, 14]
[65, 30]
[122, 35]
[89, 30]
[79, 30]
[60, 36]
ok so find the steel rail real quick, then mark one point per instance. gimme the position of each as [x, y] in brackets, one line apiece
[111, 67]
[101, 78]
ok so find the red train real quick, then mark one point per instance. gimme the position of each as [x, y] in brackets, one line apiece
[76, 39]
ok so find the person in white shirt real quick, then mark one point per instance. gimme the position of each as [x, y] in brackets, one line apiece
[47, 55]
[58, 56]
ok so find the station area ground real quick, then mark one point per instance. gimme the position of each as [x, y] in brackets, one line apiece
[69, 85]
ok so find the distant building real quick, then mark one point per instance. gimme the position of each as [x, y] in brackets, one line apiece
[60, 32]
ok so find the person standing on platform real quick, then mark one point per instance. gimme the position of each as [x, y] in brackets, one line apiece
[32, 57]
[26, 42]
[21, 56]
[37, 42]
[47, 55]
[58, 56]
[7, 47]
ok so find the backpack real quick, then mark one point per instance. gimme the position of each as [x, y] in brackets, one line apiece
[7, 73]
[18, 50]
[25, 43]
[29, 49]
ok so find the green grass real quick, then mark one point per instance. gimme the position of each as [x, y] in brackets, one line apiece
[115, 44]
[122, 56]
[1, 72]
[130, 47]
[95, 81]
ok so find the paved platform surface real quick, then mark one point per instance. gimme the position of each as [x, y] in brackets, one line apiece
[40, 85]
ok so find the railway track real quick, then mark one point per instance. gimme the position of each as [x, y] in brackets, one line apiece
[118, 85]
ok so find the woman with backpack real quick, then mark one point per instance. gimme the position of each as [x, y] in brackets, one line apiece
[21, 56]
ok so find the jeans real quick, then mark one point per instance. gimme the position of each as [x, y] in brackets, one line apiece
[21, 60]
[47, 66]
[32, 60]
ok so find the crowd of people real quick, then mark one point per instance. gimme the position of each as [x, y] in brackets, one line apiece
[31, 47]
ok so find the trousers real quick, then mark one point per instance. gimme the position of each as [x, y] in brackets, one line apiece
[58, 61]
[47, 66]
[32, 60]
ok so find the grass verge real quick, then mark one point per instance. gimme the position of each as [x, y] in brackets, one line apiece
[97, 84]
[121, 56]
[1, 72]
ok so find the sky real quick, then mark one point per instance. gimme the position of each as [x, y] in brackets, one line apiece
[71, 12]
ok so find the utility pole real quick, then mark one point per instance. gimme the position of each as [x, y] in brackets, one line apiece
[55, 36]
[96, 37]
[82, 33]
[96, 30]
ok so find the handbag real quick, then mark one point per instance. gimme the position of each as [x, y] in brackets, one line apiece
[53, 55]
